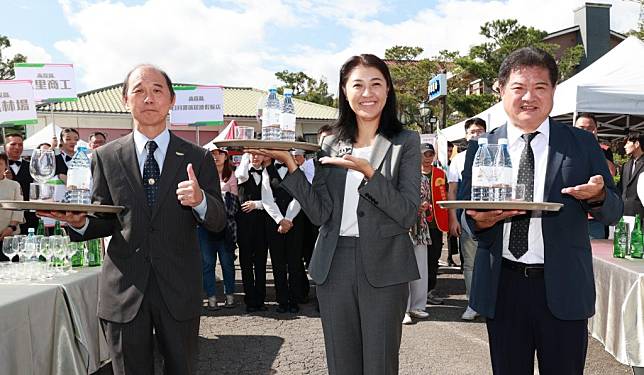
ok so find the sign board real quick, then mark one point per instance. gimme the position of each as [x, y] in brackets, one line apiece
[17, 104]
[427, 138]
[437, 87]
[198, 106]
[52, 83]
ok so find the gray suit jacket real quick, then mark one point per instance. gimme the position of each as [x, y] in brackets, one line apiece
[573, 157]
[387, 208]
[162, 238]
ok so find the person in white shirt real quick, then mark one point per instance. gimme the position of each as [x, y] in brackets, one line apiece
[474, 127]
[252, 226]
[284, 239]
[9, 220]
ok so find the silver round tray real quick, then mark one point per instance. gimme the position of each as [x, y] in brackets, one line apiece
[57, 206]
[523, 206]
[269, 145]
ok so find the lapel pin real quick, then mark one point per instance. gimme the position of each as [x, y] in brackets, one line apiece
[179, 153]
[151, 181]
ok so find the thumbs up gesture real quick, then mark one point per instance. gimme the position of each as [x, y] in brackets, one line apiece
[188, 192]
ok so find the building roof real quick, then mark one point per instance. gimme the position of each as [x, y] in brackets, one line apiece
[238, 102]
[576, 28]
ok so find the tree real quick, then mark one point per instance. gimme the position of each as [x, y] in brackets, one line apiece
[305, 87]
[6, 64]
[410, 75]
[639, 32]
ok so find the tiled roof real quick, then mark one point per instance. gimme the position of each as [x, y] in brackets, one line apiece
[238, 102]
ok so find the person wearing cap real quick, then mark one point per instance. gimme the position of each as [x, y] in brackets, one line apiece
[252, 225]
[221, 243]
[435, 247]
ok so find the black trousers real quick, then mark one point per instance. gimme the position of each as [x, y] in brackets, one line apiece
[131, 345]
[288, 268]
[523, 323]
[433, 255]
[253, 250]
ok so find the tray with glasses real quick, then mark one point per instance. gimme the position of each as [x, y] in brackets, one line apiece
[58, 206]
[241, 144]
[502, 205]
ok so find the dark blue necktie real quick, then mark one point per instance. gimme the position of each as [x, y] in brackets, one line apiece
[151, 174]
[518, 244]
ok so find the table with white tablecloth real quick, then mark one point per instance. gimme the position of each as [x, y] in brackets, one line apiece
[619, 309]
[51, 327]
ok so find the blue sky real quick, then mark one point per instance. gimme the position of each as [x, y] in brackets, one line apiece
[244, 42]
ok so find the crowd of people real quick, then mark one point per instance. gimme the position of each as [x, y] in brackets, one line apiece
[356, 219]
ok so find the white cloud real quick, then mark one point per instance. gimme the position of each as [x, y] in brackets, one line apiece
[34, 53]
[228, 44]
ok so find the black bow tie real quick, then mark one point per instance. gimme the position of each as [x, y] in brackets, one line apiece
[254, 170]
[15, 162]
[68, 158]
[279, 165]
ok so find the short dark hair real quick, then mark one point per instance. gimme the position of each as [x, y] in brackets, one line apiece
[475, 121]
[94, 134]
[525, 57]
[346, 126]
[67, 131]
[326, 128]
[587, 115]
[15, 135]
[636, 137]
[3, 156]
[43, 144]
[164, 74]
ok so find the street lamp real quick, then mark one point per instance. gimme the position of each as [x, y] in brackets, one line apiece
[425, 115]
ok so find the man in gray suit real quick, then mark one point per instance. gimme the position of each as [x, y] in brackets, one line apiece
[151, 277]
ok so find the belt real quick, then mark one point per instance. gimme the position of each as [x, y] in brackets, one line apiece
[526, 270]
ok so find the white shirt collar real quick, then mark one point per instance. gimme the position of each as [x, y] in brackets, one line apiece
[162, 140]
[515, 133]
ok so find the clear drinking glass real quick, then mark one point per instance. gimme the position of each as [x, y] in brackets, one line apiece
[42, 168]
[518, 192]
[46, 252]
[57, 244]
[7, 249]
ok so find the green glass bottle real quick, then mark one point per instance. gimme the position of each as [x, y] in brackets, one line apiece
[57, 230]
[79, 255]
[40, 231]
[637, 241]
[94, 252]
[620, 240]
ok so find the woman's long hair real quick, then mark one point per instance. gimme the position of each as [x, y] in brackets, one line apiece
[346, 127]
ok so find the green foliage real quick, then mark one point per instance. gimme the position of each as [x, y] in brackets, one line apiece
[306, 88]
[639, 32]
[6, 64]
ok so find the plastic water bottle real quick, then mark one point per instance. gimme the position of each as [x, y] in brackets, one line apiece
[271, 117]
[481, 169]
[287, 117]
[502, 187]
[79, 178]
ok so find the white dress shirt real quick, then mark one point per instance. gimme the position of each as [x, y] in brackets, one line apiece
[308, 167]
[349, 223]
[242, 175]
[540, 149]
[455, 170]
[268, 200]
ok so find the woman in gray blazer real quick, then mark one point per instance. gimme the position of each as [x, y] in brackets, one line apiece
[364, 196]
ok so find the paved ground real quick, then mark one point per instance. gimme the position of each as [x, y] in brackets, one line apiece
[233, 342]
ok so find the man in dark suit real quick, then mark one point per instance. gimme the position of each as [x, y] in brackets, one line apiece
[18, 170]
[533, 276]
[151, 276]
[630, 173]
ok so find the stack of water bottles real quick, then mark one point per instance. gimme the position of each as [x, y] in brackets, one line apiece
[79, 178]
[278, 120]
[492, 172]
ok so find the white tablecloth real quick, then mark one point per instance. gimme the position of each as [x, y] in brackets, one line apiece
[52, 327]
[619, 317]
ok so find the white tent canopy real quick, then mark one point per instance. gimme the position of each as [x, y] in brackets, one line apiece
[614, 84]
[45, 135]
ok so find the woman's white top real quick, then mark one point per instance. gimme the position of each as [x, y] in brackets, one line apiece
[349, 223]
